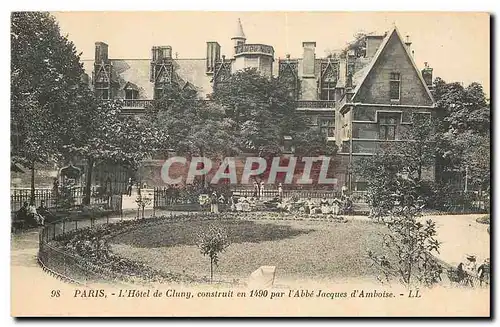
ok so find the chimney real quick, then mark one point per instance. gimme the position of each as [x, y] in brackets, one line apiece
[159, 53]
[408, 43]
[101, 52]
[308, 59]
[373, 42]
[213, 55]
[427, 75]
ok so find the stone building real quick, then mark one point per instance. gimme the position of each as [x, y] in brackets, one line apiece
[359, 98]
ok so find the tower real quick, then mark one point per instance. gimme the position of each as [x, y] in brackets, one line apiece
[239, 37]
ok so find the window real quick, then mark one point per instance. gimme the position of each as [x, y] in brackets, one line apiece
[328, 91]
[131, 94]
[327, 126]
[395, 86]
[387, 126]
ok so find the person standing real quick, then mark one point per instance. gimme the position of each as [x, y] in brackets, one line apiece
[214, 206]
[261, 190]
[280, 191]
[129, 186]
[484, 272]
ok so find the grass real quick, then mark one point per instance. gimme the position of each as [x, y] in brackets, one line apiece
[298, 249]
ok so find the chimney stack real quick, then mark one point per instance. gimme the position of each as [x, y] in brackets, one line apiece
[159, 53]
[308, 59]
[213, 55]
[101, 52]
[408, 43]
[373, 42]
[427, 75]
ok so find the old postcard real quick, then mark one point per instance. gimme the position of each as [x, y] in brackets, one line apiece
[250, 164]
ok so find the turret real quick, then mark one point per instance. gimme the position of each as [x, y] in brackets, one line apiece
[239, 37]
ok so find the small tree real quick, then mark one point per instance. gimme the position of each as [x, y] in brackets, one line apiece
[142, 202]
[211, 243]
[409, 242]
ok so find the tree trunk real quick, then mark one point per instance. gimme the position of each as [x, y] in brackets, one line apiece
[88, 183]
[211, 270]
[32, 194]
[203, 177]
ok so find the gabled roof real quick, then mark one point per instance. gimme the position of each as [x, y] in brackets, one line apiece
[360, 76]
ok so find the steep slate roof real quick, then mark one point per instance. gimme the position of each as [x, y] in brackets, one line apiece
[137, 72]
[361, 75]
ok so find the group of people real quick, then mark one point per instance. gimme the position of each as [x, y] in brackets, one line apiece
[466, 271]
[32, 216]
[215, 200]
[259, 190]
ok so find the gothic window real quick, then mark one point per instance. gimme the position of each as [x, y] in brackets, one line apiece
[329, 75]
[288, 73]
[395, 86]
[163, 76]
[102, 82]
[327, 126]
[222, 73]
[387, 126]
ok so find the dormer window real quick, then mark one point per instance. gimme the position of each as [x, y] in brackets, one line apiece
[395, 86]
[131, 94]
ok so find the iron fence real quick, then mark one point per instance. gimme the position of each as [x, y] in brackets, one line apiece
[64, 265]
[19, 196]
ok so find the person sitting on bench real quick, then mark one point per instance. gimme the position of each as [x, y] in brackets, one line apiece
[33, 214]
[43, 211]
[21, 217]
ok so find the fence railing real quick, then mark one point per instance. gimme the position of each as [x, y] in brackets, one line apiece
[169, 197]
[65, 265]
[288, 194]
[49, 196]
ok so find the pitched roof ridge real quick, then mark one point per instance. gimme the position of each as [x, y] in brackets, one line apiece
[419, 73]
[377, 55]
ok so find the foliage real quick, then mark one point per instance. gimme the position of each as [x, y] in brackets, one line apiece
[464, 132]
[410, 242]
[100, 132]
[192, 126]
[384, 172]
[66, 196]
[484, 220]
[45, 77]
[262, 112]
[212, 242]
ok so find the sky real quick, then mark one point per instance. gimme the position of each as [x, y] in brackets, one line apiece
[455, 44]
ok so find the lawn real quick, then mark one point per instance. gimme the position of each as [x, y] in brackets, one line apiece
[299, 249]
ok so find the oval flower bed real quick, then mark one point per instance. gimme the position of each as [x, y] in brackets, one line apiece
[90, 246]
